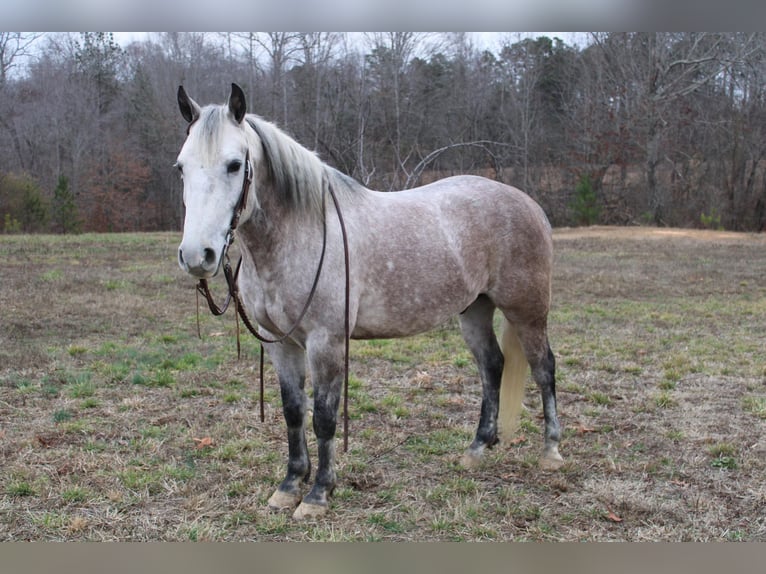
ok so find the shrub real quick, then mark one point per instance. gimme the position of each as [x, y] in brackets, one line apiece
[23, 204]
[585, 203]
[712, 221]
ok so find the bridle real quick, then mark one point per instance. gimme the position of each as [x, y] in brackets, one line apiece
[231, 278]
[233, 294]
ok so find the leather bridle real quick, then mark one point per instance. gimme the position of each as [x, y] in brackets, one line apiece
[233, 294]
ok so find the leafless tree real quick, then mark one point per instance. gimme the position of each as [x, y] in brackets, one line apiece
[672, 125]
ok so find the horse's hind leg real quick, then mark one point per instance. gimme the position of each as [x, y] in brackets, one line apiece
[478, 333]
[290, 363]
[534, 340]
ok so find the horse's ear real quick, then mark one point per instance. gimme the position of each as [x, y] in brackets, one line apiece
[237, 104]
[189, 108]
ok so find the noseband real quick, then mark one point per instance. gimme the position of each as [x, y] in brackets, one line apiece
[233, 289]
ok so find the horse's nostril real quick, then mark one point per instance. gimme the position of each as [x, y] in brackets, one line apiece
[181, 257]
[210, 257]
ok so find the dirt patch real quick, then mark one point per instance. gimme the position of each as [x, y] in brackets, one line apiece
[641, 233]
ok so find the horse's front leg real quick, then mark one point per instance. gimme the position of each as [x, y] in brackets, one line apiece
[290, 363]
[326, 363]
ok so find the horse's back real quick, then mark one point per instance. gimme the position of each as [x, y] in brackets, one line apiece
[474, 192]
[492, 214]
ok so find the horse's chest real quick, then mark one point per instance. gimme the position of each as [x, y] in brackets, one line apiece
[266, 304]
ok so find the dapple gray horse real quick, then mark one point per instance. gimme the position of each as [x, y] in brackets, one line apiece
[461, 246]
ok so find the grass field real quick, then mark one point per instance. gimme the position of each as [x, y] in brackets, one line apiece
[118, 423]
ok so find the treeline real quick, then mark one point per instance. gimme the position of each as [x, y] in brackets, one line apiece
[656, 128]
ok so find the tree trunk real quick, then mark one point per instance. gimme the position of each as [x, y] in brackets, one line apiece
[654, 188]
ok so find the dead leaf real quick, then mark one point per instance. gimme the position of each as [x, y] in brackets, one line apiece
[680, 483]
[612, 516]
[582, 429]
[49, 439]
[518, 440]
[203, 442]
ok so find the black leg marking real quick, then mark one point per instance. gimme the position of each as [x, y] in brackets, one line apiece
[544, 374]
[326, 359]
[326, 402]
[478, 333]
[289, 361]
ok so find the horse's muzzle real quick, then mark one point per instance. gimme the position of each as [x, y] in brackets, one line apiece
[200, 263]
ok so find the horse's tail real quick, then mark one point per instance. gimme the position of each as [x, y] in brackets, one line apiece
[512, 382]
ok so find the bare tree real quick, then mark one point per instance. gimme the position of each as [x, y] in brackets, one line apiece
[14, 47]
[280, 49]
[666, 124]
[657, 70]
[313, 59]
[391, 52]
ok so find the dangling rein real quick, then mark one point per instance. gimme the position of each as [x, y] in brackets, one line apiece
[233, 293]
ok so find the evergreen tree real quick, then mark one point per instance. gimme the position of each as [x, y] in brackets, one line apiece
[585, 203]
[64, 208]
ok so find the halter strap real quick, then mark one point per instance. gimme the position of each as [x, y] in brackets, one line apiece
[242, 202]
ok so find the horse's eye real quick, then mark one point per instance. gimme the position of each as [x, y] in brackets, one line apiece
[233, 166]
[179, 167]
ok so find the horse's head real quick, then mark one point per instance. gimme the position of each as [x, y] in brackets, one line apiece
[215, 166]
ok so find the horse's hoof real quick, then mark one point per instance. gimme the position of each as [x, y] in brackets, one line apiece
[551, 459]
[470, 459]
[281, 500]
[308, 510]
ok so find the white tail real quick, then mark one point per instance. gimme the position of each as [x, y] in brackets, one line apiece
[512, 382]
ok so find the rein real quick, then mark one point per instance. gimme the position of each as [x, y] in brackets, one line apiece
[234, 295]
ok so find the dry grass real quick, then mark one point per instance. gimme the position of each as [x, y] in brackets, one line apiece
[117, 423]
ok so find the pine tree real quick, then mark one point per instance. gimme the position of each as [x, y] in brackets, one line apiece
[64, 207]
[585, 203]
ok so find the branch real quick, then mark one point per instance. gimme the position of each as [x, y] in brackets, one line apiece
[437, 152]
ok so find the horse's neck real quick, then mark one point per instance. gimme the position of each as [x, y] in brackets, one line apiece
[275, 232]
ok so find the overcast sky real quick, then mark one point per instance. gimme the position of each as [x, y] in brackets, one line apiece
[483, 40]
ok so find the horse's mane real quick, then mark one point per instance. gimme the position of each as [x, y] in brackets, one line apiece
[298, 175]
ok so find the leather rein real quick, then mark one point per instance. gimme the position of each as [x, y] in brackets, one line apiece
[233, 293]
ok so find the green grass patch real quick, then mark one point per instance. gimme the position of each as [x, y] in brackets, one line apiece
[116, 285]
[385, 522]
[82, 388]
[723, 456]
[51, 276]
[600, 398]
[75, 494]
[755, 405]
[20, 488]
[664, 400]
[725, 462]
[62, 415]
[76, 350]
[439, 442]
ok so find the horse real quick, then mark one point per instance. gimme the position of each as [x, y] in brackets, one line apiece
[463, 245]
